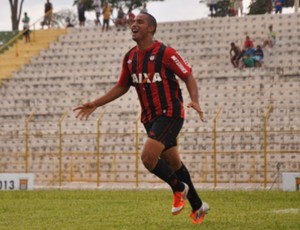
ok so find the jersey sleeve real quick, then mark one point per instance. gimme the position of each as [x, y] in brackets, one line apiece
[176, 63]
[125, 79]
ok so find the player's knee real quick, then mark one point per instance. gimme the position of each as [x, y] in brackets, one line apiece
[149, 160]
[146, 159]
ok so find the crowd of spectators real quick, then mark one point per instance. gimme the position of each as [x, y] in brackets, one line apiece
[122, 20]
[250, 56]
[125, 19]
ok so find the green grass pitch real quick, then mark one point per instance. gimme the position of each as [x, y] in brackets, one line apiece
[146, 209]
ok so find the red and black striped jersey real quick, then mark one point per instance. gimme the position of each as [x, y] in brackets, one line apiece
[153, 74]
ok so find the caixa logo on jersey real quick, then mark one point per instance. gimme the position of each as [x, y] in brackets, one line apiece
[143, 78]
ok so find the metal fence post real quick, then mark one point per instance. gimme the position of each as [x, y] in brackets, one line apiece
[137, 121]
[17, 47]
[27, 120]
[266, 117]
[99, 120]
[60, 145]
[215, 144]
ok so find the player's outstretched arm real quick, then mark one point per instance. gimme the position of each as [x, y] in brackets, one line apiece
[85, 110]
[192, 88]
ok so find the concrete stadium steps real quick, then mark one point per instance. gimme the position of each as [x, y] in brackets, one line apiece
[91, 47]
[21, 53]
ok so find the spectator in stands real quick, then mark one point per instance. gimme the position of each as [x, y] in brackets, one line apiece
[121, 19]
[144, 9]
[48, 14]
[239, 7]
[69, 24]
[81, 13]
[249, 50]
[106, 11]
[97, 8]
[235, 54]
[248, 43]
[278, 6]
[258, 56]
[26, 29]
[232, 8]
[130, 17]
[212, 4]
[151, 67]
[248, 61]
[269, 6]
[271, 39]
[247, 53]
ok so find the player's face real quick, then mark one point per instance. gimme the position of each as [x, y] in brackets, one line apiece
[140, 29]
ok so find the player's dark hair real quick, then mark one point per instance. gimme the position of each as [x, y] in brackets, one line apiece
[152, 20]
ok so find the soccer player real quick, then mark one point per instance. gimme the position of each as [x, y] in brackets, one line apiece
[151, 67]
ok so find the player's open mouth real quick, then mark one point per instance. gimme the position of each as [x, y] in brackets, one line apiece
[134, 31]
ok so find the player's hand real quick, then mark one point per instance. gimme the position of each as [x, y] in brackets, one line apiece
[85, 110]
[197, 107]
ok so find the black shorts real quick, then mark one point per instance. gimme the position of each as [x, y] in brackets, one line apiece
[235, 57]
[165, 130]
[27, 32]
[81, 17]
[106, 21]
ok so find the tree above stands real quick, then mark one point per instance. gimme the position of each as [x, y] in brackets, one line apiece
[16, 11]
[259, 6]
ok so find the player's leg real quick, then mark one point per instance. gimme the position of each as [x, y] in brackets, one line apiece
[172, 158]
[107, 25]
[199, 209]
[98, 23]
[104, 24]
[233, 59]
[150, 158]
[160, 134]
